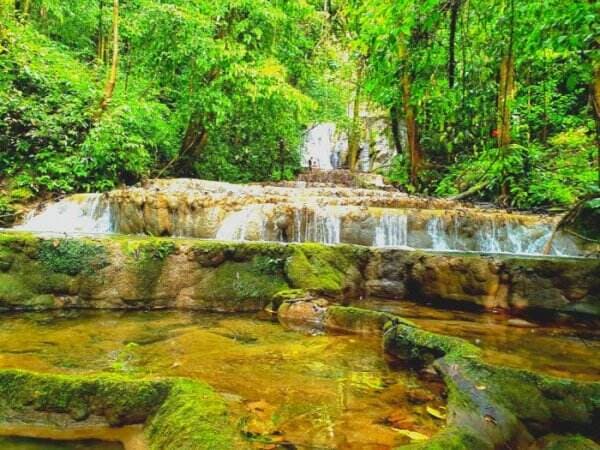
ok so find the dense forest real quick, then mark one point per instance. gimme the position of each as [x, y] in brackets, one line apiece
[499, 100]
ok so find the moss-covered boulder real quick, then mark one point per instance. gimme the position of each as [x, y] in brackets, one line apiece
[329, 270]
[489, 406]
[177, 414]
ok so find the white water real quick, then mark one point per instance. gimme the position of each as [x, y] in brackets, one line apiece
[306, 220]
[76, 214]
[439, 237]
[246, 224]
[320, 144]
[392, 231]
[316, 224]
[325, 226]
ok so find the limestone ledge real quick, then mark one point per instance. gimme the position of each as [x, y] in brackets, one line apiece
[132, 272]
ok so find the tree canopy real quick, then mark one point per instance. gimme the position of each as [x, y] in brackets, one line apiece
[500, 100]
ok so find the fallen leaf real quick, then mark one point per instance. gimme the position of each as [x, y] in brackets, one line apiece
[435, 413]
[412, 435]
[480, 387]
[489, 419]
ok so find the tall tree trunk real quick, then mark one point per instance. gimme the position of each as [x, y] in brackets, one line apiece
[354, 141]
[454, 10]
[100, 44]
[506, 95]
[412, 130]
[394, 118]
[109, 87]
[26, 7]
[194, 141]
[596, 107]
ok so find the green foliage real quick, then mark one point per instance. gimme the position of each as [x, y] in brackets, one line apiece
[247, 74]
[225, 89]
[72, 256]
[551, 161]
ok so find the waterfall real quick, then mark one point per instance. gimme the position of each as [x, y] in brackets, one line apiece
[246, 224]
[364, 159]
[319, 145]
[392, 231]
[322, 225]
[439, 238]
[78, 214]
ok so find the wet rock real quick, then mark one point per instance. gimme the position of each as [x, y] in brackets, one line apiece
[305, 313]
[419, 396]
[386, 289]
[521, 323]
[568, 442]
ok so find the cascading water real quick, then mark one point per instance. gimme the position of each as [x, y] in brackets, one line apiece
[76, 214]
[243, 225]
[319, 146]
[392, 231]
[322, 225]
[439, 237]
[304, 214]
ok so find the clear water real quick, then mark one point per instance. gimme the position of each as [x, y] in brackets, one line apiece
[565, 349]
[283, 387]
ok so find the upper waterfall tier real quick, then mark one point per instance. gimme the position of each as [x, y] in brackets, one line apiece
[301, 213]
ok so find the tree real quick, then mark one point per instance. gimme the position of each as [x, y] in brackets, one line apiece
[109, 87]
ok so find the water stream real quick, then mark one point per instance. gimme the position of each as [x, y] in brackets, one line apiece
[282, 387]
[565, 349]
[330, 216]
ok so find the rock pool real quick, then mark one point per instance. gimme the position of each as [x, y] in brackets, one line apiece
[282, 387]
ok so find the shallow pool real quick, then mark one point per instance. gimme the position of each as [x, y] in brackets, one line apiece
[283, 387]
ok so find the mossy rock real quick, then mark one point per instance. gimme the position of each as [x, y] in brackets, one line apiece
[568, 442]
[178, 414]
[358, 320]
[240, 285]
[146, 259]
[72, 256]
[328, 270]
[121, 401]
[192, 417]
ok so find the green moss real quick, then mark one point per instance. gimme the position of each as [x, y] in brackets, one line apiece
[179, 414]
[23, 243]
[121, 401]
[193, 417]
[328, 270]
[357, 319]
[422, 347]
[454, 438]
[72, 256]
[233, 284]
[13, 290]
[147, 259]
[535, 398]
[569, 442]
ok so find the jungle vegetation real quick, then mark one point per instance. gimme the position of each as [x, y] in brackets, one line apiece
[500, 99]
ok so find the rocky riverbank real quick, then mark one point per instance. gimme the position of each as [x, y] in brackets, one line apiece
[150, 273]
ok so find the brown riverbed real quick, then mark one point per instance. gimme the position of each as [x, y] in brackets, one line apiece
[282, 386]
